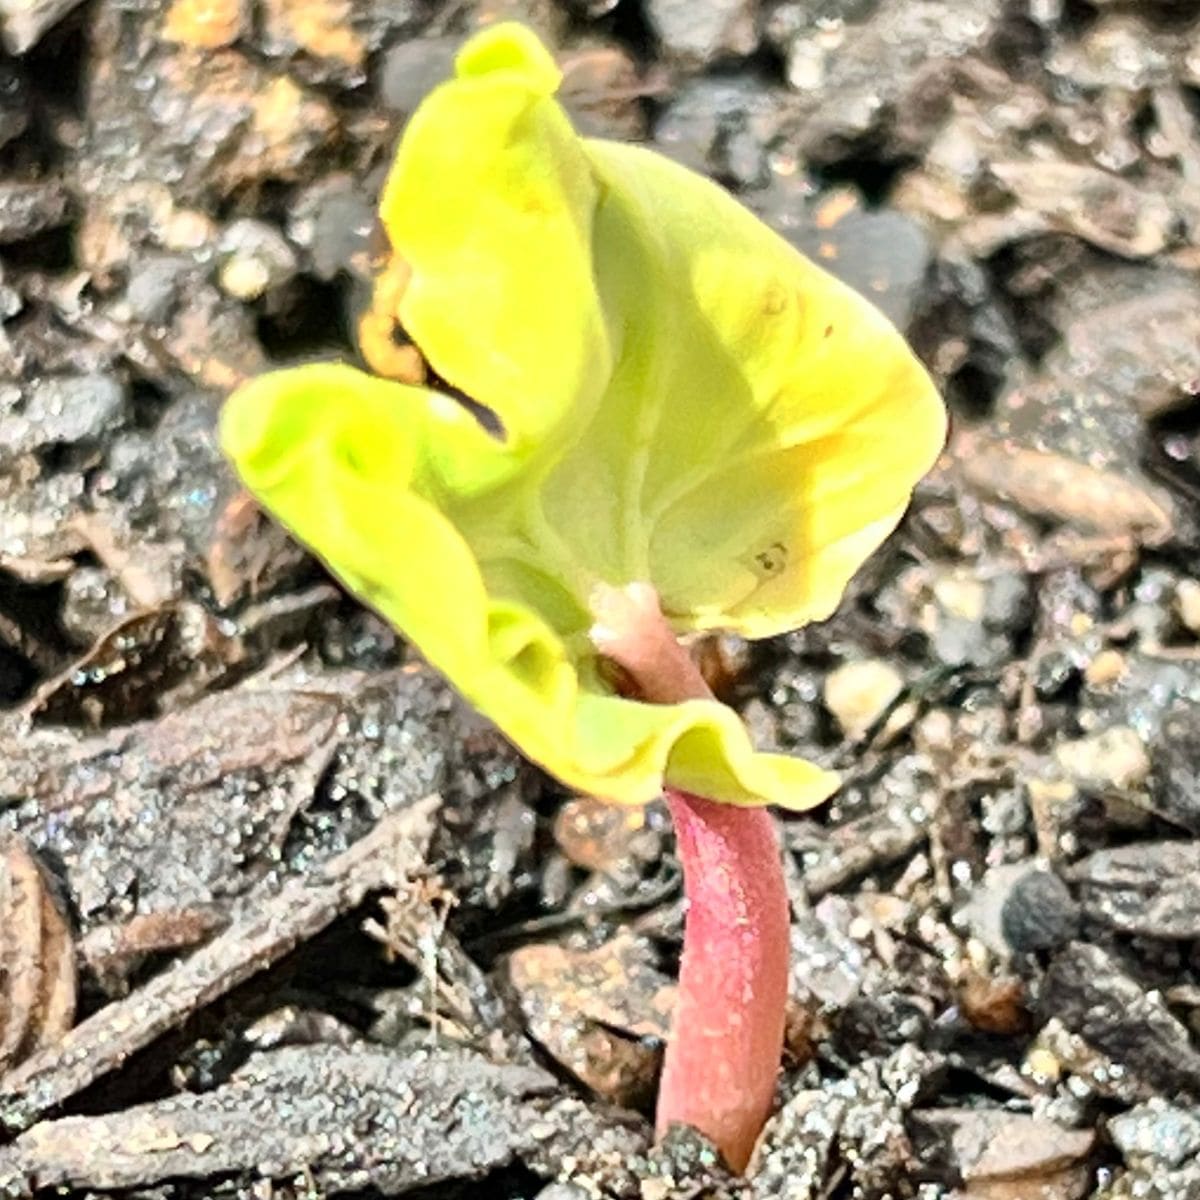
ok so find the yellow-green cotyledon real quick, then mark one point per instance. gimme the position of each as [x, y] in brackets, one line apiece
[617, 375]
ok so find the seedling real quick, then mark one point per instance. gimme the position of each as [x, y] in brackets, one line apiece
[608, 407]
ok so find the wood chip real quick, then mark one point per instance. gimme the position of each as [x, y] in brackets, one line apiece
[271, 928]
[37, 960]
[1051, 485]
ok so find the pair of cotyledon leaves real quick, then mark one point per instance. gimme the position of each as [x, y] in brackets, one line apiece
[684, 400]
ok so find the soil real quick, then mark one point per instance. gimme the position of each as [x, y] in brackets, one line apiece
[280, 915]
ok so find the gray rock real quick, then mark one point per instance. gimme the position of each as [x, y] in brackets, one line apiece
[1161, 1132]
[333, 221]
[1019, 907]
[1149, 691]
[828, 966]
[1175, 792]
[27, 209]
[699, 32]
[798, 1146]
[1008, 602]
[834, 52]
[154, 288]
[155, 121]
[256, 258]
[1039, 913]
[987, 1148]
[884, 255]
[1135, 330]
[707, 118]
[412, 68]
[852, 1130]
[958, 642]
[1151, 616]
[963, 633]
[93, 602]
[58, 410]
[35, 518]
[963, 323]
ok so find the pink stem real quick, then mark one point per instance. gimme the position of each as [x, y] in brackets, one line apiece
[727, 1037]
[723, 1056]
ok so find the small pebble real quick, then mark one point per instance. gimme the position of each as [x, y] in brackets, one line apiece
[1114, 758]
[186, 229]
[1039, 913]
[256, 259]
[595, 835]
[1041, 1064]
[699, 34]
[1156, 1130]
[564, 1191]
[206, 24]
[1107, 667]
[1187, 601]
[858, 694]
[93, 602]
[960, 596]
[413, 68]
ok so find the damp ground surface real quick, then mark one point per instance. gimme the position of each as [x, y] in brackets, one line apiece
[280, 916]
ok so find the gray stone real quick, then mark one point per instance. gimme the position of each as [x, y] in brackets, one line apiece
[333, 221]
[1158, 1131]
[256, 258]
[835, 55]
[412, 68]
[884, 255]
[1175, 792]
[1039, 913]
[27, 209]
[698, 33]
[709, 118]
[58, 410]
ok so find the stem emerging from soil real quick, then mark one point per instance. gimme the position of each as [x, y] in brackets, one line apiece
[721, 1063]
[723, 1056]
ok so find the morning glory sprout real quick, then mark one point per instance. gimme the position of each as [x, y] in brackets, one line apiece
[607, 408]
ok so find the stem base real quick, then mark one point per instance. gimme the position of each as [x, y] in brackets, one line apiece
[727, 1038]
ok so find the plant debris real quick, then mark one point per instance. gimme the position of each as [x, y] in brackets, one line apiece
[37, 960]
